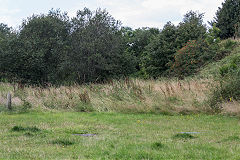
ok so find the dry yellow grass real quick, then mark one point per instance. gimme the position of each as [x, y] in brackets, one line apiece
[232, 108]
[130, 95]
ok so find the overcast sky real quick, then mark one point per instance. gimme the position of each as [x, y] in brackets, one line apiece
[133, 13]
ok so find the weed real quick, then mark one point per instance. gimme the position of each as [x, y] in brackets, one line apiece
[28, 134]
[183, 136]
[63, 142]
[84, 97]
[2, 108]
[21, 129]
[231, 138]
[157, 145]
[84, 107]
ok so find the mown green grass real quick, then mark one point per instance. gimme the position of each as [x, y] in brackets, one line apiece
[118, 136]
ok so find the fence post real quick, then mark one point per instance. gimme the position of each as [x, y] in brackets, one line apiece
[9, 101]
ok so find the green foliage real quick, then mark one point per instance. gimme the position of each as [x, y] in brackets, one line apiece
[93, 47]
[229, 44]
[228, 68]
[161, 49]
[44, 39]
[212, 36]
[6, 37]
[159, 52]
[195, 54]
[191, 28]
[227, 18]
[96, 48]
[38, 49]
[190, 58]
[227, 82]
[136, 41]
[50, 48]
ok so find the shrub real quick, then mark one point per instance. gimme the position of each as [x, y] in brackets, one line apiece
[223, 49]
[190, 58]
[227, 82]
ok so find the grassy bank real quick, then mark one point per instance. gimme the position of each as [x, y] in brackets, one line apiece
[125, 96]
[166, 96]
[118, 136]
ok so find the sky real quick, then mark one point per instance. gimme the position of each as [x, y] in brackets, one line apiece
[132, 13]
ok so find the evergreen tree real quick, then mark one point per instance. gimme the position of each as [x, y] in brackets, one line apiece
[228, 17]
[137, 40]
[159, 51]
[191, 28]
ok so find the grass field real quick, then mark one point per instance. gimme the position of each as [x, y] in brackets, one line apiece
[55, 135]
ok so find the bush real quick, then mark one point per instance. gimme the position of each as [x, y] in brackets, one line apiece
[223, 49]
[227, 82]
[190, 58]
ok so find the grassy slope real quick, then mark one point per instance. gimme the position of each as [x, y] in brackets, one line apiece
[213, 68]
[119, 136]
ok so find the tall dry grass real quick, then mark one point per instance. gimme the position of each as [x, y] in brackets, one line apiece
[129, 95]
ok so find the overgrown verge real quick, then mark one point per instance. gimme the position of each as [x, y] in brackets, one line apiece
[226, 91]
[126, 96]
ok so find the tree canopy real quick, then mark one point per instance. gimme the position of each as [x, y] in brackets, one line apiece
[228, 18]
[93, 47]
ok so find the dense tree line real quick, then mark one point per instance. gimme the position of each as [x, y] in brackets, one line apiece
[228, 19]
[93, 47]
[51, 48]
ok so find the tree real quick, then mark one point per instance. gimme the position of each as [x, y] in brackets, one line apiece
[42, 44]
[191, 28]
[159, 52]
[6, 37]
[161, 49]
[228, 17]
[137, 40]
[97, 50]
